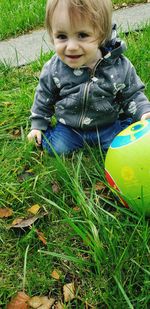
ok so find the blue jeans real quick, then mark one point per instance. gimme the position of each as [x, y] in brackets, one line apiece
[63, 139]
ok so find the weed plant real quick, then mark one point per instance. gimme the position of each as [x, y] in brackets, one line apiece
[91, 239]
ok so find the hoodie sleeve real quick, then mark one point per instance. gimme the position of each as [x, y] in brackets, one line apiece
[44, 99]
[134, 101]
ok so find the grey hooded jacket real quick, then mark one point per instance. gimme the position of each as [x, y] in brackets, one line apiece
[85, 98]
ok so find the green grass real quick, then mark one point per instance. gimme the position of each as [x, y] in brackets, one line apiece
[128, 2]
[18, 16]
[103, 247]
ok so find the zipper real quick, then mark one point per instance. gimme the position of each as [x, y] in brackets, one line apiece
[95, 67]
[85, 97]
[86, 93]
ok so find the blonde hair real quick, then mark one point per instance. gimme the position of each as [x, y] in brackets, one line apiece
[98, 12]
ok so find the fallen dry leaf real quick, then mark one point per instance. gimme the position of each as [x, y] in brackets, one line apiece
[41, 302]
[47, 301]
[44, 307]
[59, 305]
[116, 7]
[76, 208]
[41, 237]
[19, 301]
[99, 186]
[35, 302]
[55, 187]
[124, 4]
[16, 132]
[69, 291]
[34, 209]
[55, 274]
[17, 221]
[6, 212]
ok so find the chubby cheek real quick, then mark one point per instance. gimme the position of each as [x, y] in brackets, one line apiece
[92, 54]
[91, 48]
[59, 49]
[94, 47]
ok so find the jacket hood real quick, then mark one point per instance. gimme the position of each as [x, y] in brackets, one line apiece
[114, 47]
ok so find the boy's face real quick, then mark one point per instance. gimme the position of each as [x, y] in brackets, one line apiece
[76, 46]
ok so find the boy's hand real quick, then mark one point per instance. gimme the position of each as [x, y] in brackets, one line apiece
[35, 135]
[145, 116]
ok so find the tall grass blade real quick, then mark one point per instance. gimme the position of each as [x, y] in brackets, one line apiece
[123, 293]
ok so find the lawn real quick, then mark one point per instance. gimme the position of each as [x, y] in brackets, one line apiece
[88, 237]
[18, 16]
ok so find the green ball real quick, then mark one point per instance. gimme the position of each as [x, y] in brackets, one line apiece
[127, 166]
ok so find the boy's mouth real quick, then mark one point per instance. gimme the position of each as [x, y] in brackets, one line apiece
[73, 56]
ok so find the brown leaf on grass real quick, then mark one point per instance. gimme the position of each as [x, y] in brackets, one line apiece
[99, 186]
[19, 301]
[116, 7]
[55, 274]
[35, 302]
[59, 305]
[44, 307]
[6, 212]
[16, 132]
[76, 208]
[121, 5]
[41, 237]
[41, 302]
[47, 301]
[69, 291]
[55, 187]
[17, 221]
[124, 5]
[34, 209]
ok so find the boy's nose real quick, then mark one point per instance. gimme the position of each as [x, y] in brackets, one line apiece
[72, 44]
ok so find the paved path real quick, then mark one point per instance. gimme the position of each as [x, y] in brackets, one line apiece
[26, 48]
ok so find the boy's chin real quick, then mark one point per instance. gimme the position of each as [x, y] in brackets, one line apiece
[74, 66]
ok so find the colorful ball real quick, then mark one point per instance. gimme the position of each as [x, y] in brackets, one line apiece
[127, 166]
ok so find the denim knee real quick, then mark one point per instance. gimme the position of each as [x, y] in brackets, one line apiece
[55, 148]
[61, 140]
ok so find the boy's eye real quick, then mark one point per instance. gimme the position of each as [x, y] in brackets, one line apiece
[61, 36]
[82, 35]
